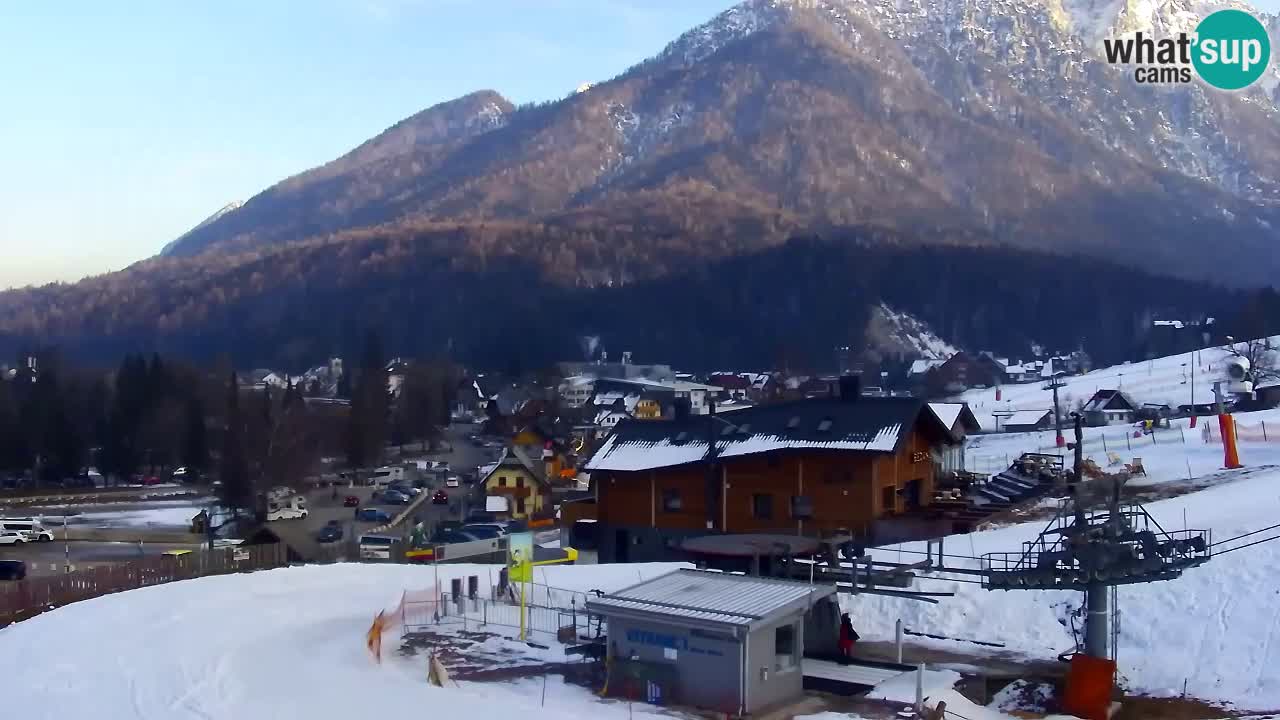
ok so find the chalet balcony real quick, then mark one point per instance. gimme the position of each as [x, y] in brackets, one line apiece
[510, 491]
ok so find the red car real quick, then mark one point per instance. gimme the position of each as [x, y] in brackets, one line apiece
[151, 480]
[440, 498]
[351, 501]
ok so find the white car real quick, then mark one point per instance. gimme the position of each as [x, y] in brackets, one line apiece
[12, 537]
[29, 528]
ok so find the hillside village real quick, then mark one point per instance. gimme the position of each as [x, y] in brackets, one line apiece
[751, 359]
[607, 462]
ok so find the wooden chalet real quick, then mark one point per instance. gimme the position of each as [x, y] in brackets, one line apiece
[840, 464]
[517, 478]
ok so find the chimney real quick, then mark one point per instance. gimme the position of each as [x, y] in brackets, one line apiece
[850, 387]
[681, 408]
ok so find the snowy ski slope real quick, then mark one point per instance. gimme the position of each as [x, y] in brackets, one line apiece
[1165, 380]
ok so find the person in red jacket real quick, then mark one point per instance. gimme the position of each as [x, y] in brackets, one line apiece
[848, 636]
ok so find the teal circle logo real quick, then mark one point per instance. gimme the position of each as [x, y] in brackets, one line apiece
[1232, 49]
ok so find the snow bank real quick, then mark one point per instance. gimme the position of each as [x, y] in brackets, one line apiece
[1216, 627]
[903, 687]
[277, 644]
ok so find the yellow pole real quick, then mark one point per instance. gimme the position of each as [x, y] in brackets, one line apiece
[522, 584]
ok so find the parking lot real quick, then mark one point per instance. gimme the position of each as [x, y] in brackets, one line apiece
[124, 531]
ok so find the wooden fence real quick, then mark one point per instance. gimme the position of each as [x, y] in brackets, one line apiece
[34, 595]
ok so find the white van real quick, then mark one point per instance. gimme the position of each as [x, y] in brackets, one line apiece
[29, 527]
[293, 507]
[376, 547]
[384, 476]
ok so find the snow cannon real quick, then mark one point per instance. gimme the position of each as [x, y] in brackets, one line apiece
[1239, 376]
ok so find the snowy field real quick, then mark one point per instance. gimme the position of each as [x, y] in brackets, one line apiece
[156, 514]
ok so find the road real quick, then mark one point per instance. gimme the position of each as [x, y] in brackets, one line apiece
[47, 558]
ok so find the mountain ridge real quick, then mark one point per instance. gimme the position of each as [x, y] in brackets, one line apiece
[805, 114]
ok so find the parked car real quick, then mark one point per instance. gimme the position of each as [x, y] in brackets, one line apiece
[373, 515]
[12, 570]
[394, 497]
[330, 533]
[453, 481]
[446, 537]
[12, 537]
[351, 501]
[151, 480]
[440, 498]
[498, 529]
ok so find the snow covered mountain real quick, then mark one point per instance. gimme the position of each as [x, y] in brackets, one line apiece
[996, 60]
[955, 121]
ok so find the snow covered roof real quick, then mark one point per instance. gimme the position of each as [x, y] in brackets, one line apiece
[713, 597]
[869, 424]
[1109, 400]
[600, 416]
[1026, 417]
[673, 385]
[608, 399]
[924, 365]
[947, 412]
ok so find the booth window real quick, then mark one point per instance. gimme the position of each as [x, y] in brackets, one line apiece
[784, 646]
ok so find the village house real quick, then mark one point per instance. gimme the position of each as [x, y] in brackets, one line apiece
[841, 464]
[961, 372]
[664, 392]
[1109, 407]
[577, 390]
[262, 379]
[517, 479]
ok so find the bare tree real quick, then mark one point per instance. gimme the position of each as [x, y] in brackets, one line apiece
[1262, 354]
[284, 440]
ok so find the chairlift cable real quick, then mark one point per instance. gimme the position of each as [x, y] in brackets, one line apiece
[1241, 547]
[1241, 537]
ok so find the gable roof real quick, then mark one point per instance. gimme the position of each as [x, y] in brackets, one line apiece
[1109, 400]
[512, 458]
[952, 413]
[711, 597]
[867, 424]
[923, 365]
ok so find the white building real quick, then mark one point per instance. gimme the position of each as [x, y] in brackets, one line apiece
[576, 391]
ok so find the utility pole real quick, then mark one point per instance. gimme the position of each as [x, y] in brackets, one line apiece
[1055, 382]
[1193, 388]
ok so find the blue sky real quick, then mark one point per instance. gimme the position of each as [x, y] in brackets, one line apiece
[124, 124]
